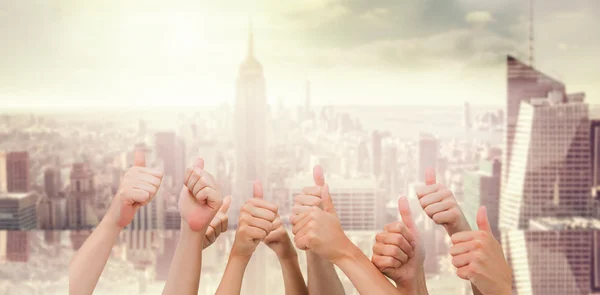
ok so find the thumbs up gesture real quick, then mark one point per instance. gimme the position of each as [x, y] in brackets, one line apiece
[200, 197]
[479, 259]
[316, 225]
[138, 187]
[218, 225]
[399, 251]
[255, 223]
[439, 204]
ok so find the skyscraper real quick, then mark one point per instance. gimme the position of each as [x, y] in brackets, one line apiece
[550, 171]
[427, 154]
[250, 128]
[482, 188]
[165, 146]
[3, 176]
[595, 147]
[52, 182]
[17, 172]
[523, 84]
[81, 195]
[467, 117]
[376, 150]
[18, 211]
[17, 246]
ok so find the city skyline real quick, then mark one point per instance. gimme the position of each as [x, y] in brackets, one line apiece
[188, 53]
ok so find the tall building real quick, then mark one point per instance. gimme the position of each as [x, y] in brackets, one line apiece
[250, 128]
[18, 211]
[165, 146]
[376, 150]
[555, 256]
[595, 148]
[550, 171]
[81, 197]
[52, 182]
[427, 154]
[358, 202]
[482, 188]
[467, 117]
[17, 172]
[3, 176]
[17, 246]
[523, 84]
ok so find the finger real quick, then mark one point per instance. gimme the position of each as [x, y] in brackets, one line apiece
[300, 225]
[482, 220]
[226, 204]
[395, 240]
[438, 207]
[260, 203]
[224, 223]
[297, 209]
[151, 171]
[265, 225]
[299, 217]
[151, 179]
[139, 158]
[444, 217]
[302, 243]
[211, 196]
[215, 224]
[261, 213]
[199, 163]
[464, 272]
[257, 190]
[256, 233]
[326, 200]
[142, 185]
[200, 184]
[312, 191]
[385, 262]
[428, 189]
[391, 251]
[307, 200]
[405, 213]
[135, 195]
[463, 248]
[430, 176]
[399, 228]
[462, 260]
[194, 177]
[318, 175]
[464, 236]
[434, 197]
[210, 235]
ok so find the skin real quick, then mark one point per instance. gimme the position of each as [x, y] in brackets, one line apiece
[322, 277]
[137, 189]
[255, 224]
[399, 252]
[319, 230]
[218, 225]
[479, 259]
[199, 201]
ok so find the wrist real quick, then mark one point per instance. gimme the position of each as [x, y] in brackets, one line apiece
[415, 286]
[349, 252]
[461, 225]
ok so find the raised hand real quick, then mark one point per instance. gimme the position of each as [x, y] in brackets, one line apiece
[137, 189]
[218, 225]
[320, 231]
[311, 195]
[255, 224]
[399, 252]
[439, 204]
[479, 259]
[279, 241]
[200, 197]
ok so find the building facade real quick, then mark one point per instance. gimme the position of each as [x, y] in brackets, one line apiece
[18, 211]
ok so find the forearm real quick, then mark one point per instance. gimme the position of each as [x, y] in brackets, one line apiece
[418, 285]
[184, 272]
[231, 283]
[322, 278]
[365, 277]
[292, 276]
[87, 264]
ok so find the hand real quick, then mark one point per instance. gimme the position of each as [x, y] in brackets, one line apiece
[255, 224]
[439, 204]
[399, 251]
[218, 225]
[311, 196]
[279, 241]
[480, 260]
[200, 197]
[320, 231]
[137, 189]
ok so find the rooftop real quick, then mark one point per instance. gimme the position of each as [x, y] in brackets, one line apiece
[551, 223]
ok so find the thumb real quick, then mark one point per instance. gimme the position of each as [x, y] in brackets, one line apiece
[318, 175]
[405, 213]
[139, 158]
[430, 176]
[257, 190]
[482, 219]
[199, 163]
[225, 205]
[326, 199]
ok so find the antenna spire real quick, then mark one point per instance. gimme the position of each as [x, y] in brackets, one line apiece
[531, 49]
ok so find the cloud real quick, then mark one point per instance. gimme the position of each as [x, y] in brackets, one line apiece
[479, 17]
[376, 16]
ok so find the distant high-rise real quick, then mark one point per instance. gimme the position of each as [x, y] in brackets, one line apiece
[595, 148]
[482, 188]
[555, 257]
[17, 172]
[250, 128]
[427, 154]
[376, 152]
[18, 211]
[523, 84]
[81, 197]
[550, 171]
[52, 182]
[467, 117]
[3, 176]
[17, 246]
[165, 146]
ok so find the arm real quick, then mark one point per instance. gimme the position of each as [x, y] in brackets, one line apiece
[322, 277]
[199, 201]
[231, 283]
[137, 189]
[88, 263]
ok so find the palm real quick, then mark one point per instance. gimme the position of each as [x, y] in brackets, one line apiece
[195, 214]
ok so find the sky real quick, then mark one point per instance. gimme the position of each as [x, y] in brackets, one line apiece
[75, 53]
